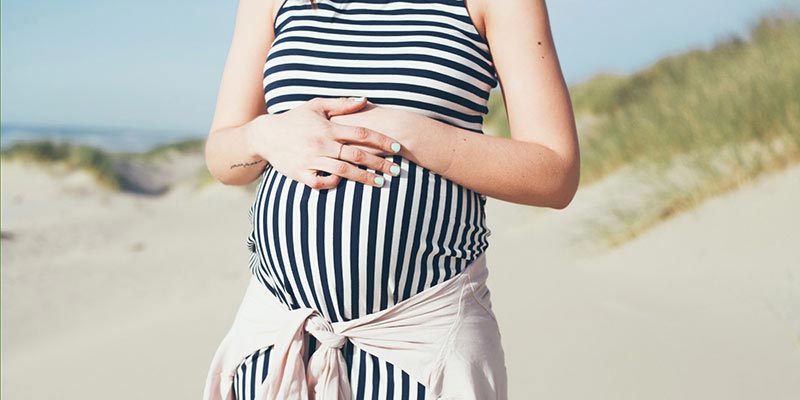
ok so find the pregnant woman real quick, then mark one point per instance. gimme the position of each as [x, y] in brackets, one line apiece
[362, 121]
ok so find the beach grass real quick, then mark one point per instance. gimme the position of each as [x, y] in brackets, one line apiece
[722, 117]
[738, 92]
[97, 162]
[104, 165]
[159, 152]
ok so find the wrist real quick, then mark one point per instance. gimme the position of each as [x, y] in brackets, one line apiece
[428, 142]
[446, 144]
[252, 131]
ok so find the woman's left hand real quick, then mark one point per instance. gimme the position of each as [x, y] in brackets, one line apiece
[417, 134]
[386, 120]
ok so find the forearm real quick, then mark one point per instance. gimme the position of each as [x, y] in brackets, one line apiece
[506, 169]
[512, 170]
[229, 156]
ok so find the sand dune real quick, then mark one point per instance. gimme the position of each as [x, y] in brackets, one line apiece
[111, 295]
[704, 306]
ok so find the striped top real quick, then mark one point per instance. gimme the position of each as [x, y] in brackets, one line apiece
[356, 249]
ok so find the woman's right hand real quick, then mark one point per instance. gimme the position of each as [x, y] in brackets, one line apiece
[303, 141]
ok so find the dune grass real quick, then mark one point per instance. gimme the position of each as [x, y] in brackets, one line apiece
[689, 181]
[722, 117]
[738, 92]
[97, 162]
[162, 151]
[101, 164]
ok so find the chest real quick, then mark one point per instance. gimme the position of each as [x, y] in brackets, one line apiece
[420, 54]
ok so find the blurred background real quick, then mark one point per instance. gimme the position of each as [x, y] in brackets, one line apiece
[674, 274]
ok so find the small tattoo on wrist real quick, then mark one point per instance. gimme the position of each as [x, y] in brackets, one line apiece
[246, 164]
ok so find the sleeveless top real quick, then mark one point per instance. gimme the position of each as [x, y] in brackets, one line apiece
[356, 249]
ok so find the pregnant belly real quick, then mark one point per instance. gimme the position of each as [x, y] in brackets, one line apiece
[356, 249]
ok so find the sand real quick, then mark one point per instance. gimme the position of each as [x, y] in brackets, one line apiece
[115, 295]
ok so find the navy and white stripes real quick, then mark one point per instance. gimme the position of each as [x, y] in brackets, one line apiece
[356, 249]
[370, 377]
[421, 55]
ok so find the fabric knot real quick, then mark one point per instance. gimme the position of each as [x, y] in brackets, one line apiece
[323, 331]
[326, 373]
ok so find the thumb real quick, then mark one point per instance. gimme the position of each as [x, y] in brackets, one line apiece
[341, 105]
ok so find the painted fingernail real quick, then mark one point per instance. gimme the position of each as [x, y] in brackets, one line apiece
[395, 170]
[395, 147]
[379, 180]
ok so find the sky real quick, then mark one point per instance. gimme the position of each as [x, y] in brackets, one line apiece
[156, 64]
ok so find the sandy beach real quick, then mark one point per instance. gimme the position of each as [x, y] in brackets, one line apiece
[124, 296]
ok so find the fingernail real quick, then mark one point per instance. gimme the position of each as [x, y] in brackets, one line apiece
[379, 180]
[395, 147]
[357, 99]
[395, 170]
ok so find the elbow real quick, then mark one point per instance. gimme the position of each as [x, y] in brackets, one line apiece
[210, 165]
[564, 199]
[219, 177]
[216, 176]
[557, 188]
[566, 186]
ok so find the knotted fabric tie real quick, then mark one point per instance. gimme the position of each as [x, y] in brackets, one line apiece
[326, 373]
[325, 377]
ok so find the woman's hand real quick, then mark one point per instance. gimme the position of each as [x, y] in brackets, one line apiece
[406, 127]
[303, 141]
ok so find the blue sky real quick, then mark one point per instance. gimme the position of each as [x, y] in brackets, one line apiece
[156, 64]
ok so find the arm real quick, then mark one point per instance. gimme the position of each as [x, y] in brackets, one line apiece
[240, 102]
[540, 164]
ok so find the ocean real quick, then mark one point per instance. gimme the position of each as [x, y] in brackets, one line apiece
[109, 139]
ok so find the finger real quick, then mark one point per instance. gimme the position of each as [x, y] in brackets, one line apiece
[348, 171]
[364, 136]
[370, 150]
[360, 157]
[331, 106]
[314, 180]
